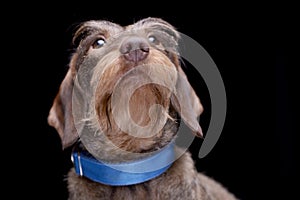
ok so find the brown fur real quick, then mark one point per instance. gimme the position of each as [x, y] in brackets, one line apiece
[111, 76]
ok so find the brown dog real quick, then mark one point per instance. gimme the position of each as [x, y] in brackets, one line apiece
[120, 107]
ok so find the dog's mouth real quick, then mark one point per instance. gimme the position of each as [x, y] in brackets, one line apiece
[137, 93]
[130, 101]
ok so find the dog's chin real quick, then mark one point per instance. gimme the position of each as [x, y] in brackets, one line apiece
[133, 113]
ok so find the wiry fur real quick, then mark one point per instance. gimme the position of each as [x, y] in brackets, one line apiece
[101, 77]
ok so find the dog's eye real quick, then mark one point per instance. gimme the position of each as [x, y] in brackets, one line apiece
[99, 43]
[152, 39]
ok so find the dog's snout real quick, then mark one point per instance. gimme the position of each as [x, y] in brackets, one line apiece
[135, 49]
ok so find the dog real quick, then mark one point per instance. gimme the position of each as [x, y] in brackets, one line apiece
[120, 107]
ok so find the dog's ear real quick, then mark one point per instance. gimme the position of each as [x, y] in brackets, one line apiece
[60, 115]
[187, 104]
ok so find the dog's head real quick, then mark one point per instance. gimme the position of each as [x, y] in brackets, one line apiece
[125, 90]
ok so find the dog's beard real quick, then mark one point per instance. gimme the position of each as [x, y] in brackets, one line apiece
[130, 105]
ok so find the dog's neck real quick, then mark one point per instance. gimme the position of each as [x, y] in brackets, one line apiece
[124, 147]
[125, 173]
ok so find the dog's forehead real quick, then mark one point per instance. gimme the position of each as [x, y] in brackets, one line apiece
[112, 28]
[106, 27]
[154, 24]
[149, 22]
[109, 28]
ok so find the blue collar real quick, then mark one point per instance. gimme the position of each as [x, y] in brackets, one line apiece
[126, 173]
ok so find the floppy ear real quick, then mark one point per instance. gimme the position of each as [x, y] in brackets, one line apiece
[187, 104]
[60, 115]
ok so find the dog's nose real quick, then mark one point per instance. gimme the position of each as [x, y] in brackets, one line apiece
[135, 49]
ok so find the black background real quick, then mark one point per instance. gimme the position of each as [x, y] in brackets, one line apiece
[255, 155]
